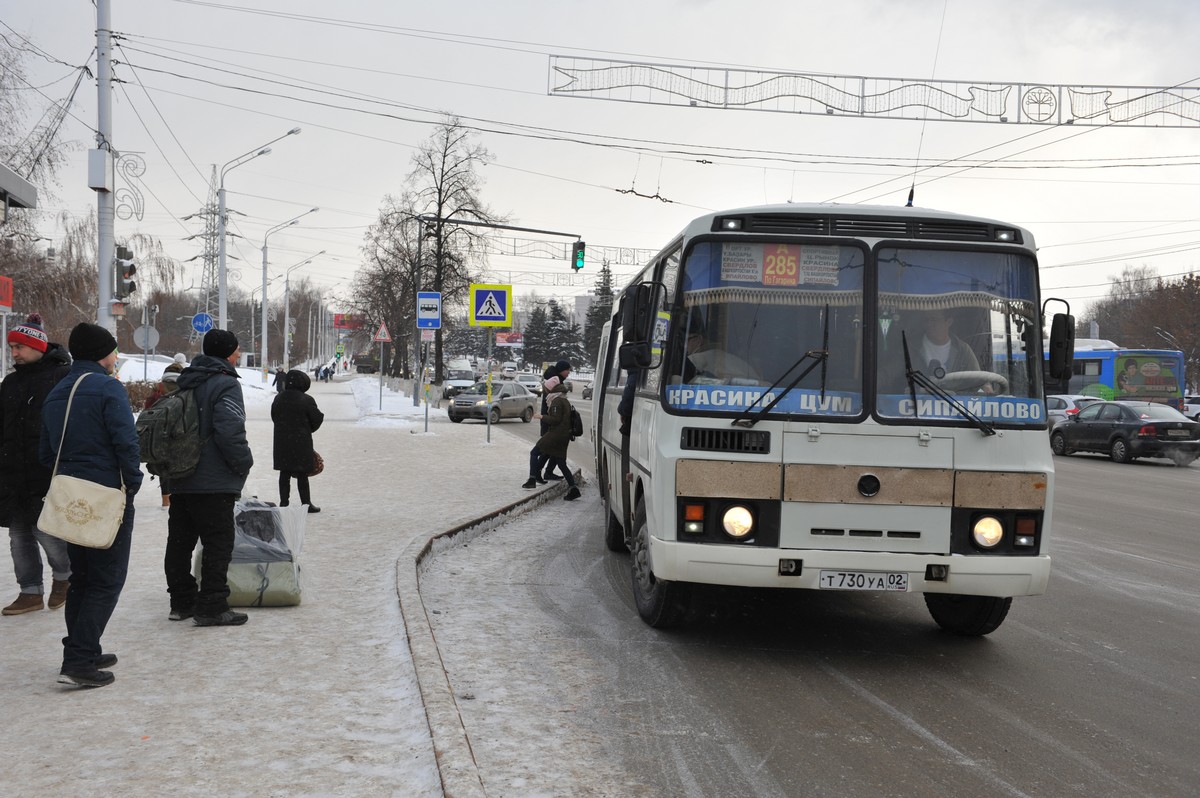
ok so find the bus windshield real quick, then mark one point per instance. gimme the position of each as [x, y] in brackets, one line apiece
[968, 321]
[752, 318]
[751, 312]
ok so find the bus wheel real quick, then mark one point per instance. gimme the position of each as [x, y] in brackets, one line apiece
[660, 603]
[614, 535]
[969, 616]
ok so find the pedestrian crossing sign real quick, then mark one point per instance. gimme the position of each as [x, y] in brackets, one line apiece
[491, 305]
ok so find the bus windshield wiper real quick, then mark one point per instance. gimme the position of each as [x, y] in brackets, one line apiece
[915, 378]
[820, 357]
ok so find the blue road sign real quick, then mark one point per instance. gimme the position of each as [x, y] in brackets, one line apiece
[429, 310]
[490, 305]
[202, 322]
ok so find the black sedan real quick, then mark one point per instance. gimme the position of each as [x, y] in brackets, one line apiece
[1128, 430]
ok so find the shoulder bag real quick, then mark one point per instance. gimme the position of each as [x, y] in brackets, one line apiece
[78, 510]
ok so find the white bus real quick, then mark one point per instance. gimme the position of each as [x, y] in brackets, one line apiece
[832, 397]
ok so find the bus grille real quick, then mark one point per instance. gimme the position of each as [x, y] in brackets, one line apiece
[866, 226]
[744, 441]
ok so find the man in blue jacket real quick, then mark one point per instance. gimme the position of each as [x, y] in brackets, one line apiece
[202, 504]
[100, 444]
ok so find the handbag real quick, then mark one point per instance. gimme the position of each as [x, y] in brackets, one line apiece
[318, 464]
[78, 510]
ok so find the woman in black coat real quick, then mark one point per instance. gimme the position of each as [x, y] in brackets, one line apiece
[296, 418]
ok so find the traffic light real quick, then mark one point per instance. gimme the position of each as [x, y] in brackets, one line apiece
[577, 253]
[123, 271]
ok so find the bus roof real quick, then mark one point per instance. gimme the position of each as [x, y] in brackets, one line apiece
[836, 210]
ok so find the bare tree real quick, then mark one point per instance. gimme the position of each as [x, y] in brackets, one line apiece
[446, 185]
[384, 288]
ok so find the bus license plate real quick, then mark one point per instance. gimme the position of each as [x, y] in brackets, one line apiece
[862, 580]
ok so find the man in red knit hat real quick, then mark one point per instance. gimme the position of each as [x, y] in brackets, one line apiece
[24, 481]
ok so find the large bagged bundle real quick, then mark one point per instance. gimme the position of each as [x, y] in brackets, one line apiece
[265, 568]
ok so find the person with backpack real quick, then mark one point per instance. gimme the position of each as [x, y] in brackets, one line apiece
[39, 365]
[202, 502]
[167, 385]
[296, 417]
[551, 448]
[561, 370]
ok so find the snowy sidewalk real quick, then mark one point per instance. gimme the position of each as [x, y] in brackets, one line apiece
[319, 699]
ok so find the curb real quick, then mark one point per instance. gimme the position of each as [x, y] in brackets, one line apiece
[456, 763]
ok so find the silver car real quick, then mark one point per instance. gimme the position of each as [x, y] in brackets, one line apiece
[1060, 407]
[510, 399]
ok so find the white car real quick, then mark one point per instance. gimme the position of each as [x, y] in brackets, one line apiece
[456, 381]
[1191, 407]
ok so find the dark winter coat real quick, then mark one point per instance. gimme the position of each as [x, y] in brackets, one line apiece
[296, 418]
[101, 443]
[558, 428]
[23, 478]
[225, 458]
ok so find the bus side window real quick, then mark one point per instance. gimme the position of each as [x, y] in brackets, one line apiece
[618, 376]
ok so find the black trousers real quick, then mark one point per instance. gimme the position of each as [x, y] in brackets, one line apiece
[97, 576]
[205, 518]
[285, 487]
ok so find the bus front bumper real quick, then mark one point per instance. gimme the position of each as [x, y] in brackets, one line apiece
[972, 575]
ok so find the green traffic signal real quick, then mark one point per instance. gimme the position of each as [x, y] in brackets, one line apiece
[577, 253]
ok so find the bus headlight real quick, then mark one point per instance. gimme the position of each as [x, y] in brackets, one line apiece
[738, 522]
[987, 532]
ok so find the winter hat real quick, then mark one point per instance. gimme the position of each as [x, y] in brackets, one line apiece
[180, 358]
[561, 366]
[30, 333]
[220, 343]
[552, 384]
[297, 380]
[171, 373]
[91, 342]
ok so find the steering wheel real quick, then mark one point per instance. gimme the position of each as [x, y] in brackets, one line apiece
[972, 380]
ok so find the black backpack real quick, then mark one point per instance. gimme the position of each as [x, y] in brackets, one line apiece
[576, 424]
[169, 435]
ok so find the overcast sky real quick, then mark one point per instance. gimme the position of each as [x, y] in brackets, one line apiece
[488, 62]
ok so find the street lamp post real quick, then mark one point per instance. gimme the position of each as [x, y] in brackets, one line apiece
[263, 302]
[222, 278]
[267, 235]
[287, 307]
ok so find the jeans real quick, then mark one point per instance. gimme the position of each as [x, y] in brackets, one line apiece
[97, 576]
[23, 539]
[206, 518]
[561, 463]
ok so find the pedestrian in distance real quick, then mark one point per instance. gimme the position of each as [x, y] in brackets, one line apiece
[280, 378]
[552, 446]
[99, 444]
[202, 503]
[168, 384]
[296, 417]
[39, 365]
[561, 370]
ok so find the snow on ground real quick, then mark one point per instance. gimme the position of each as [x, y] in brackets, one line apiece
[318, 699]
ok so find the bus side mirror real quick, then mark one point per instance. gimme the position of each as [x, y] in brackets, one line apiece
[637, 313]
[1062, 346]
[634, 355]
